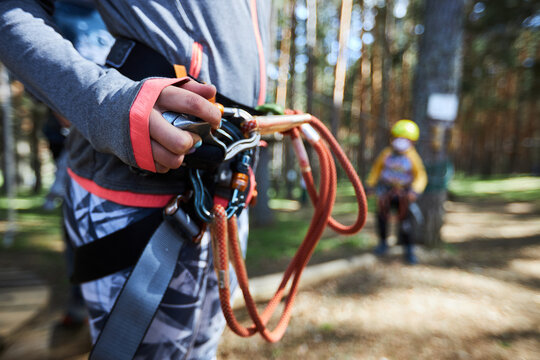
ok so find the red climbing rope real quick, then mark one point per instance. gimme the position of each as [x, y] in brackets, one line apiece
[225, 235]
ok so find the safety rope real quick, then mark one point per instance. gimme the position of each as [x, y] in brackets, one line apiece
[225, 235]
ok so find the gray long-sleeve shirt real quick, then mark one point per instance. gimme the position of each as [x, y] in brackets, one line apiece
[98, 100]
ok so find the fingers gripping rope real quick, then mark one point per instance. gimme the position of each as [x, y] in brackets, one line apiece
[226, 247]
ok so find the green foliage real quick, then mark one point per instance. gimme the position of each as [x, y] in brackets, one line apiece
[282, 239]
[517, 188]
[327, 327]
[37, 229]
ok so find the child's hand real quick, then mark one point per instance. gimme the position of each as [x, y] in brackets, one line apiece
[170, 144]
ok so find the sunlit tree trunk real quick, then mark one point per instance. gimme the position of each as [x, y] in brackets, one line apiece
[381, 136]
[405, 102]
[311, 39]
[365, 113]
[284, 56]
[438, 74]
[341, 64]
[357, 107]
[356, 114]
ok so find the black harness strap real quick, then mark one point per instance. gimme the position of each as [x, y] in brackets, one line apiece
[127, 55]
[114, 252]
[138, 61]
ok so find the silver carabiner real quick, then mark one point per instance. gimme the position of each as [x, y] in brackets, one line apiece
[244, 144]
[199, 127]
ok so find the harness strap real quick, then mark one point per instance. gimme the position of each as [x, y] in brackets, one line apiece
[114, 252]
[143, 291]
[386, 201]
[127, 55]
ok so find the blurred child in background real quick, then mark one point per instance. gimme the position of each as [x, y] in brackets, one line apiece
[398, 177]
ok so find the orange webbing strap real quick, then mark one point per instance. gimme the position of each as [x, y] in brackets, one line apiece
[226, 247]
[180, 71]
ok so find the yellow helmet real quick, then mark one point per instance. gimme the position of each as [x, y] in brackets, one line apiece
[406, 129]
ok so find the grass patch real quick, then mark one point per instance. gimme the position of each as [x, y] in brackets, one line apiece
[517, 188]
[281, 240]
[327, 327]
[36, 229]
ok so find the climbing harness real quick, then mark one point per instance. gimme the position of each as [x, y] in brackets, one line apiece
[221, 175]
[394, 195]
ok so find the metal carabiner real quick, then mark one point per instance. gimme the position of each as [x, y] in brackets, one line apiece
[231, 138]
[204, 130]
[201, 197]
[192, 124]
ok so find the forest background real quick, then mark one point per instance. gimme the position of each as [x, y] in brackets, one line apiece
[354, 64]
[359, 65]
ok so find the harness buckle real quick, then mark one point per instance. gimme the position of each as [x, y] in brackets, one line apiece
[180, 220]
[172, 207]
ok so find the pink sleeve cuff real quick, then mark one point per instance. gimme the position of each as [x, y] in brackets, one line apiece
[139, 116]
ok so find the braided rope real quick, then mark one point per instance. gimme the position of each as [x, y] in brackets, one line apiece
[226, 246]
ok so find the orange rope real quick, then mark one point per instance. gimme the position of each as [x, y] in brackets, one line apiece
[226, 247]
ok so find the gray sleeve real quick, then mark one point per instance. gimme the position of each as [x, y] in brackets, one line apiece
[95, 100]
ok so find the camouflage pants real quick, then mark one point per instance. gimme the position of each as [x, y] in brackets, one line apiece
[189, 321]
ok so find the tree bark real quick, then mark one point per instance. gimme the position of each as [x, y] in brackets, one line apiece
[284, 56]
[357, 109]
[356, 115]
[311, 39]
[438, 72]
[381, 136]
[341, 65]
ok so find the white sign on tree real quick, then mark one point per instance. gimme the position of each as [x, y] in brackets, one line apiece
[443, 107]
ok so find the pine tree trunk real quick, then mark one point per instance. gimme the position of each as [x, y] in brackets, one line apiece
[381, 136]
[284, 56]
[438, 72]
[311, 38]
[341, 65]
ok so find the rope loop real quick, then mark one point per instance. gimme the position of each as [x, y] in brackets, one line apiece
[225, 233]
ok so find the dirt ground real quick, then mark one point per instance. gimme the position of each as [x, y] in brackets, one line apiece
[478, 298]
